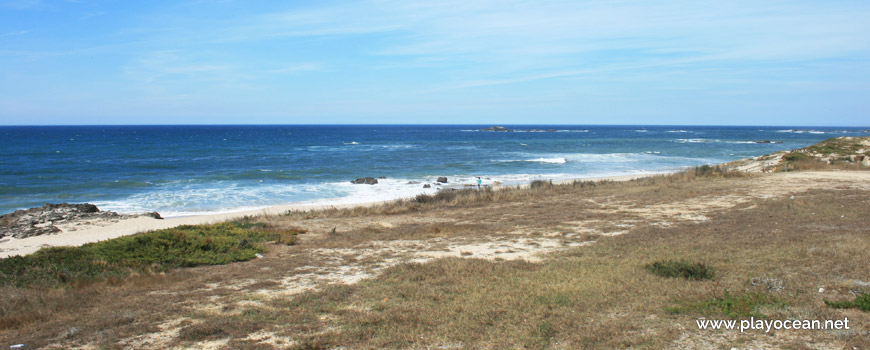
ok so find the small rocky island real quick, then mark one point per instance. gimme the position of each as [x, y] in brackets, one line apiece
[497, 128]
[45, 219]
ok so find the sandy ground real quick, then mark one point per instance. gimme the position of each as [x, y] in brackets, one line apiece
[82, 232]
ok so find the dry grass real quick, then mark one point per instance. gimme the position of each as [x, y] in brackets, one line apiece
[594, 296]
[454, 198]
[601, 295]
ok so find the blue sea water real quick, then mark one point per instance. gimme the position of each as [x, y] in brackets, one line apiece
[187, 170]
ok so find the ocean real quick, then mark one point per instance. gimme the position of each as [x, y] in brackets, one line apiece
[190, 170]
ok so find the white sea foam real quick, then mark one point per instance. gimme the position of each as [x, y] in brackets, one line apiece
[202, 200]
[679, 131]
[219, 198]
[817, 132]
[351, 143]
[556, 160]
[549, 160]
[722, 141]
[694, 140]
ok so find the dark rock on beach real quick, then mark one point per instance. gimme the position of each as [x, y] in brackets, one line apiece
[365, 180]
[153, 214]
[43, 220]
[427, 186]
[442, 180]
[497, 128]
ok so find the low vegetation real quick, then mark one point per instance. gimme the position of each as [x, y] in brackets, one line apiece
[840, 146]
[156, 251]
[796, 157]
[837, 152]
[861, 302]
[680, 269]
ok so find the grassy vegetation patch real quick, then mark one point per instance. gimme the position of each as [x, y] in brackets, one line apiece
[145, 252]
[861, 302]
[680, 268]
[796, 156]
[734, 305]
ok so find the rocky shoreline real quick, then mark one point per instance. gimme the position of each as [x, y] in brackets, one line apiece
[46, 219]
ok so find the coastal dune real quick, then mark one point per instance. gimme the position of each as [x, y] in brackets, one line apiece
[567, 255]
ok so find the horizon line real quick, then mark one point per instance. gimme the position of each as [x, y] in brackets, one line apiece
[423, 124]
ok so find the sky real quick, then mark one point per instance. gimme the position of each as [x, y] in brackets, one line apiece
[70, 62]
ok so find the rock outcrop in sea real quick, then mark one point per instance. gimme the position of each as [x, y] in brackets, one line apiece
[497, 128]
[44, 220]
[365, 180]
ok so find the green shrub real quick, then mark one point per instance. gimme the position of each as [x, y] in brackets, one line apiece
[684, 269]
[145, 252]
[861, 302]
[794, 157]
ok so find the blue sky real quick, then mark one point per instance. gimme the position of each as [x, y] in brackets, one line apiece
[431, 62]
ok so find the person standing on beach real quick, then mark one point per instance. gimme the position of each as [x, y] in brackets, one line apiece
[478, 182]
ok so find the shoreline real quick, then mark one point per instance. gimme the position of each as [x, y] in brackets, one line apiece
[77, 234]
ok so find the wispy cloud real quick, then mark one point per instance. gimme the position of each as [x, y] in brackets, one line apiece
[524, 37]
[14, 33]
[89, 15]
[162, 66]
[298, 67]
